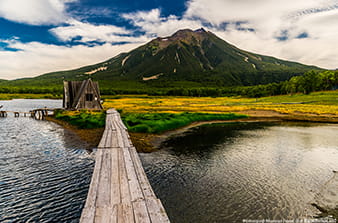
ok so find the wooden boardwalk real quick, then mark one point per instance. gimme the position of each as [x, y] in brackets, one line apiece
[38, 114]
[119, 189]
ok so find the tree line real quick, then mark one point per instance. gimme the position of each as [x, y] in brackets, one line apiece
[307, 83]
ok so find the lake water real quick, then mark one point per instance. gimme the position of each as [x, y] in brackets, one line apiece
[213, 173]
[230, 172]
[45, 170]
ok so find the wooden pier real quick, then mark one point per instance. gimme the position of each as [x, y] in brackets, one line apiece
[38, 114]
[119, 189]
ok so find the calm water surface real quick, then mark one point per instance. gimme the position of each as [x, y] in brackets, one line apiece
[45, 170]
[213, 173]
[231, 172]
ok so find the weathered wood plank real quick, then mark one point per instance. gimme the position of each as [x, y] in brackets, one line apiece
[124, 183]
[156, 211]
[141, 175]
[125, 213]
[115, 194]
[88, 213]
[103, 214]
[119, 137]
[103, 195]
[103, 139]
[141, 212]
[134, 185]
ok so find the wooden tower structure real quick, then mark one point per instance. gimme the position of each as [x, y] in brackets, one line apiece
[81, 95]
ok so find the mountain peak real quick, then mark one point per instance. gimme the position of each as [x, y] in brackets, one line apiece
[185, 35]
[200, 30]
[188, 32]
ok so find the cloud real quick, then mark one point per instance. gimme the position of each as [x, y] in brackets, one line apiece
[86, 32]
[35, 58]
[153, 24]
[264, 16]
[34, 12]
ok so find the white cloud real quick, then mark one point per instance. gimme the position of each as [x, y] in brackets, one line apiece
[36, 58]
[34, 12]
[154, 25]
[87, 32]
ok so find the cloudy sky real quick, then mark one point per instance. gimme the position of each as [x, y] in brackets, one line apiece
[39, 36]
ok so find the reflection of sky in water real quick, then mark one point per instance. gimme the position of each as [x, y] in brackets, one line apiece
[23, 105]
[229, 172]
[45, 170]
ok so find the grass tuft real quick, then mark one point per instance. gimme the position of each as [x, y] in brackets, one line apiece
[82, 119]
[160, 122]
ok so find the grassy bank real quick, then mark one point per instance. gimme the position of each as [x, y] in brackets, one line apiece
[83, 119]
[140, 122]
[161, 122]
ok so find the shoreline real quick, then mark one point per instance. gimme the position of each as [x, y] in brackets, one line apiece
[90, 136]
[254, 116]
[147, 142]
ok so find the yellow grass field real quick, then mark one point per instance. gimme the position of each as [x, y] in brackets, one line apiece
[320, 103]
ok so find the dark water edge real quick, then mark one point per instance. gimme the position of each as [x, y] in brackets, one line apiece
[235, 171]
[45, 170]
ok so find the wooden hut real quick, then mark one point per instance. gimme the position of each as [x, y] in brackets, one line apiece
[81, 95]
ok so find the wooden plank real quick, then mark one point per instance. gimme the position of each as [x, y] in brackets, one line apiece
[126, 139]
[125, 213]
[141, 175]
[121, 124]
[103, 196]
[88, 213]
[115, 194]
[113, 215]
[119, 139]
[103, 139]
[103, 214]
[134, 185]
[124, 184]
[111, 111]
[141, 212]
[156, 211]
[114, 142]
[113, 124]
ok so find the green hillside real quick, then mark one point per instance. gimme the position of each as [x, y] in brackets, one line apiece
[185, 59]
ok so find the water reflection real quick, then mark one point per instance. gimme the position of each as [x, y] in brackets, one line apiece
[45, 169]
[230, 172]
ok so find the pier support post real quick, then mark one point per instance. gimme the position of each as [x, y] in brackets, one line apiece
[3, 114]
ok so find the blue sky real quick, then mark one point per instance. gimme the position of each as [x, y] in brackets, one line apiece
[39, 36]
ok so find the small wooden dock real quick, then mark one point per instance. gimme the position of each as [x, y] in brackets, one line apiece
[38, 114]
[119, 189]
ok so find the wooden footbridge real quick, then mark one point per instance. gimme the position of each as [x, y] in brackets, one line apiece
[38, 114]
[119, 189]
